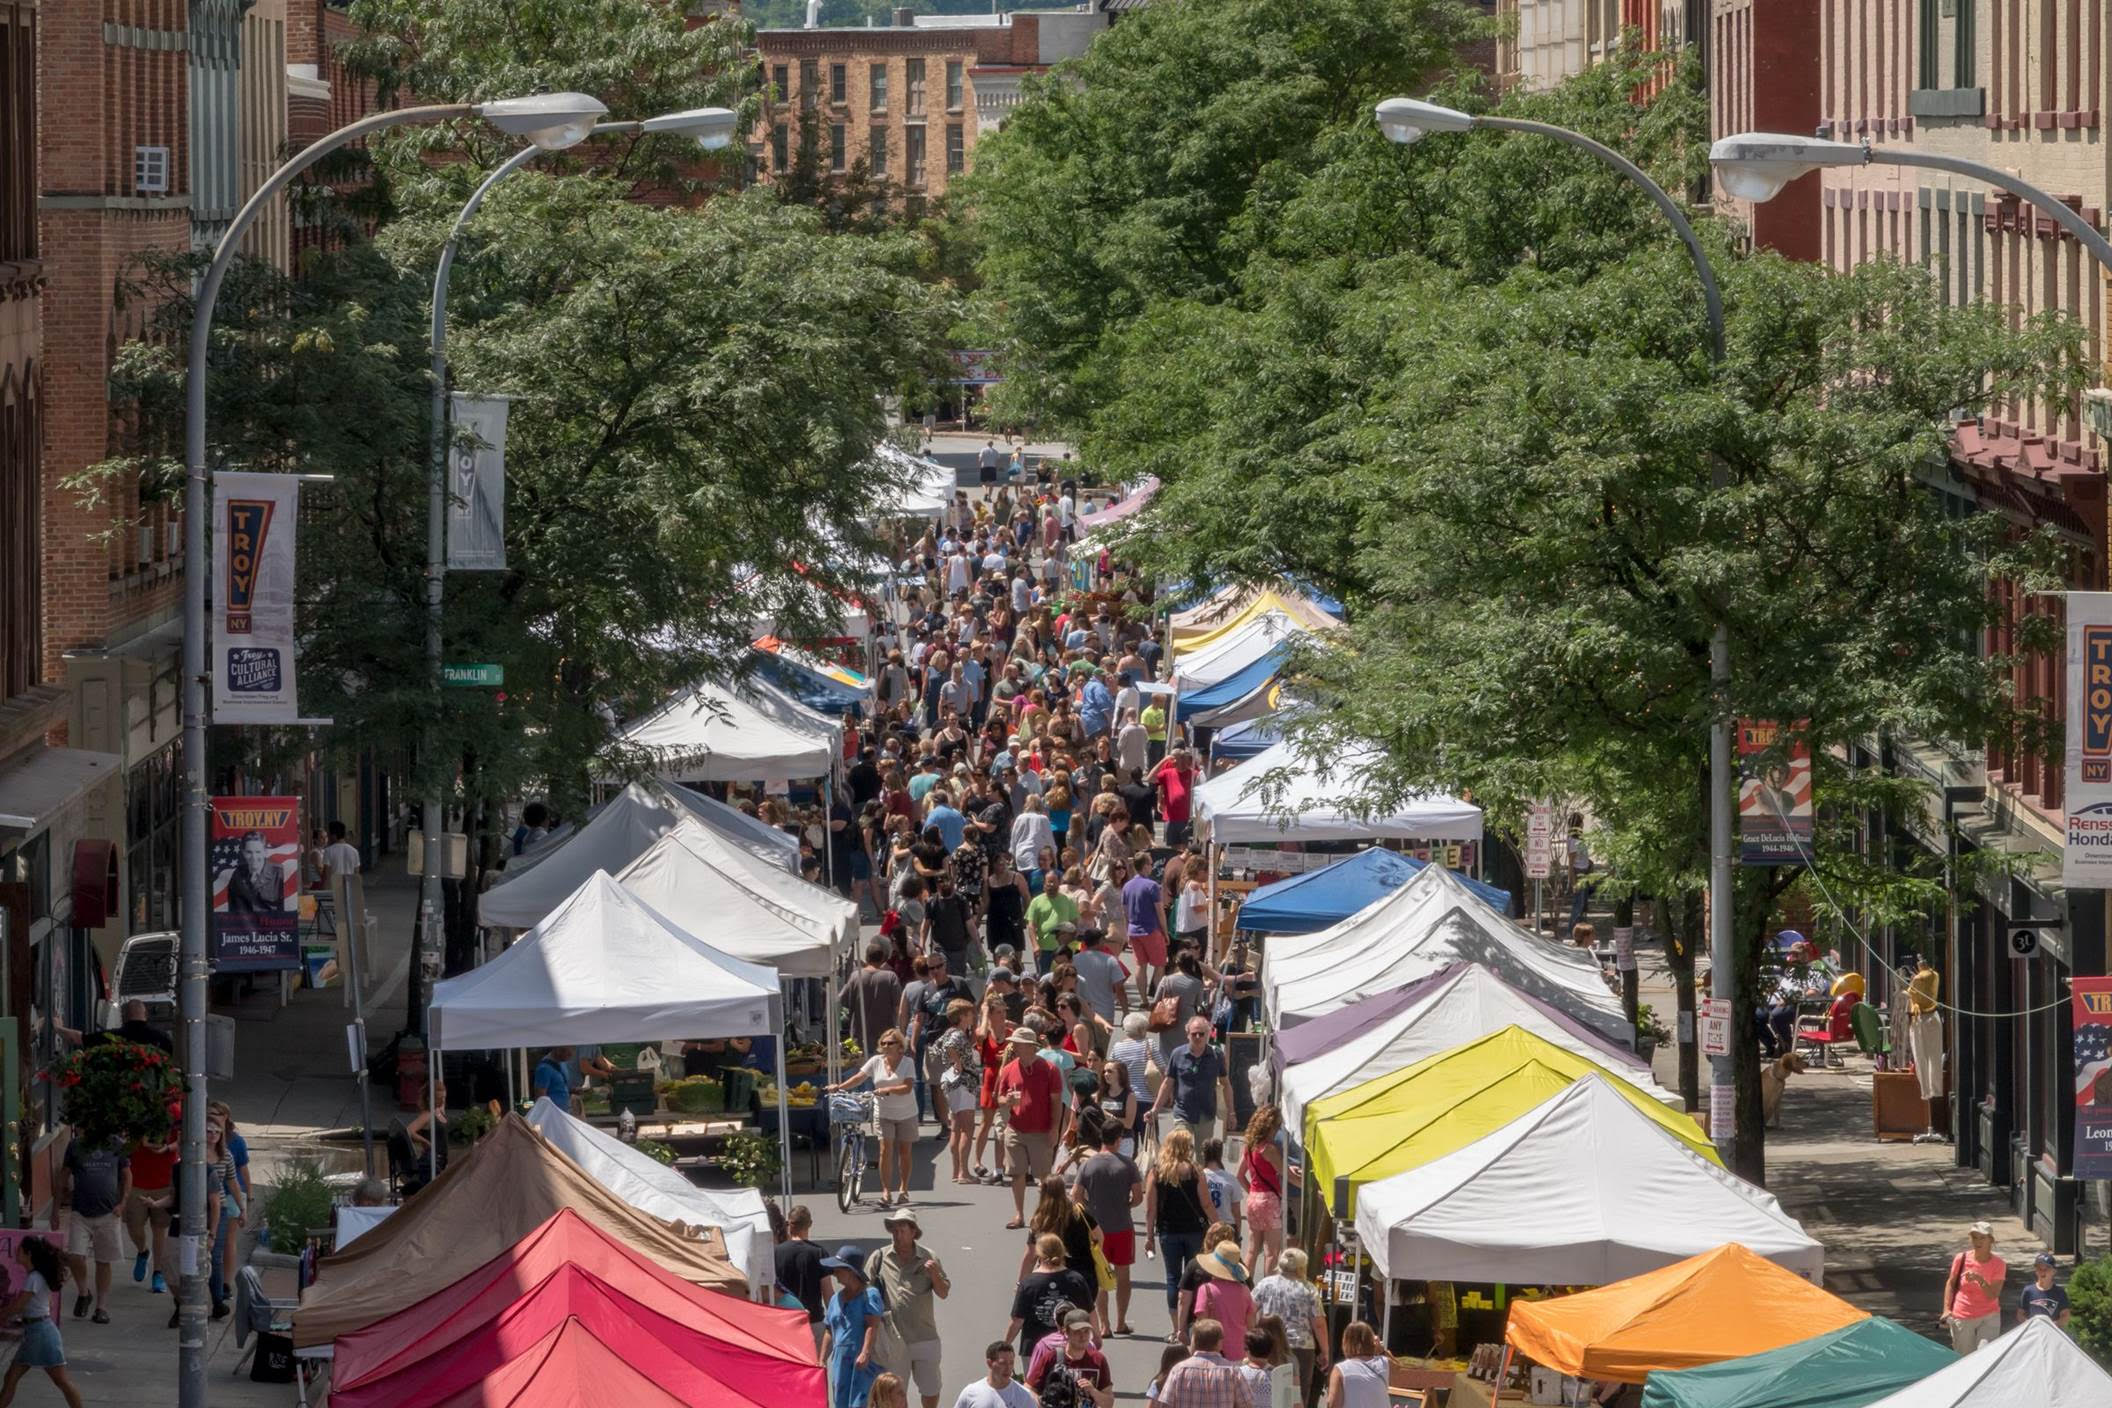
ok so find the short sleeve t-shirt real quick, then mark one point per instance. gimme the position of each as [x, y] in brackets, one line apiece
[1034, 1303]
[2051, 1302]
[799, 1271]
[980, 1395]
[1174, 791]
[97, 1176]
[1970, 1300]
[1045, 912]
[1195, 1080]
[551, 1079]
[1105, 1182]
[1141, 901]
[1040, 1083]
[1099, 980]
[901, 1106]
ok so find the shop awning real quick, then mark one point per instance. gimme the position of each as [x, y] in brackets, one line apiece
[39, 787]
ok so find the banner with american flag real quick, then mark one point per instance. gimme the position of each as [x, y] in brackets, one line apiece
[256, 869]
[2093, 1077]
[1774, 793]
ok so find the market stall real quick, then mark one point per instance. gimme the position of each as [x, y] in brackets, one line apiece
[1845, 1368]
[821, 685]
[1552, 1198]
[1402, 1121]
[1130, 504]
[1252, 692]
[725, 733]
[1259, 639]
[1240, 742]
[1394, 1030]
[1320, 899]
[696, 1346]
[1722, 1304]
[607, 967]
[694, 879]
[652, 1187]
[2036, 1364]
[510, 1183]
[1281, 796]
[1232, 608]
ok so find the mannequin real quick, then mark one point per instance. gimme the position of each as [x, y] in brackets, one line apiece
[1925, 1041]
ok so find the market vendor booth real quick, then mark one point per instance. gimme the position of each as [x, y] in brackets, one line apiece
[1844, 1368]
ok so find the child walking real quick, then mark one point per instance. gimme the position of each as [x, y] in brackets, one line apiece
[41, 1345]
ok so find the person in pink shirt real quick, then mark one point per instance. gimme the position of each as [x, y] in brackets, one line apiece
[1972, 1293]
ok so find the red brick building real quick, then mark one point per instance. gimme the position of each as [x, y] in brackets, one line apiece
[1763, 77]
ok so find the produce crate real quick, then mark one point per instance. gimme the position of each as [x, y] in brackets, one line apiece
[633, 1091]
[697, 1095]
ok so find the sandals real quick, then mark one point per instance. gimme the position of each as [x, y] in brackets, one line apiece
[1015, 1224]
[980, 1174]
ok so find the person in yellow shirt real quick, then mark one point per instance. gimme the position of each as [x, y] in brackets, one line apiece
[1154, 721]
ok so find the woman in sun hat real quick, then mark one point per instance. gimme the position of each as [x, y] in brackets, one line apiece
[1224, 1297]
[849, 1327]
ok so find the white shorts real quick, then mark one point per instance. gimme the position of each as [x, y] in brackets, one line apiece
[960, 1099]
[94, 1237]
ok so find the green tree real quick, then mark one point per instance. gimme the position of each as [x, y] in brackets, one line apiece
[1465, 387]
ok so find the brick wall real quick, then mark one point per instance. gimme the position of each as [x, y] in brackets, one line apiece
[814, 53]
[1764, 77]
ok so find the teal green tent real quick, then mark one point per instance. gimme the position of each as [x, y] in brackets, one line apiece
[1845, 1368]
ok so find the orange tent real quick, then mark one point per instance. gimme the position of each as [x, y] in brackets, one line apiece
[1720, 1305]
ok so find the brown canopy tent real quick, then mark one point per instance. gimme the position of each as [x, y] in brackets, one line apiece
[479, 1207]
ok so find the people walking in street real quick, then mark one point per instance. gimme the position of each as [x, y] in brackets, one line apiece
[1175, 998]
[1205, 1378]
[1261, 1176]
[1176, 1213]
[960, 1070]
[1224, 1296]
[993, 1026]
[1048, 1289]
[802, 1269]
[871, 996]
[895, 1102]
[850, 1325]
[42, 1346]
[224, 1207]
[1030, 1095]
[1072, 1222]
[1111, 1188]
[1197, 1084]
[1071, 1372]
[149, 1207]
[1295, 1300]
[2042, 1296]
[93, 1184]
[1972, 1292]
[997, 1388]
[911, 1282]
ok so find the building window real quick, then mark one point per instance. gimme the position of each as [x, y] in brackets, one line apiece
[1962, 62]
[780, 148]
[809, 82]
[956, 148]
[1928, 75]
[953, 85]
[780, 82]
[878, 88]
[838, 84]
[878, 159]
[835, 146]
[913, 155]
[916, 87]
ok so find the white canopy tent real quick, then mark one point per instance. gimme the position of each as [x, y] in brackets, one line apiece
[698, 882]
[1413, 906]
[1226, 656]
[931, 488]
[654, 1188]
[721, 733]
[605, 966]
[618, 834]
[1552, 1198]
[1468, 1003]
[2036, 1364]
[1535, 967]
[1281, 796]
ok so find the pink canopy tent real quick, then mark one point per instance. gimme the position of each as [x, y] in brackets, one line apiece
[1116, 512]
[568, 1272]
[569, 1368]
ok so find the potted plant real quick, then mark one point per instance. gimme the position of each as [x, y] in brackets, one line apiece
[751, 1159]
[1650, 1032]
[117, 1091]
[299, 1203]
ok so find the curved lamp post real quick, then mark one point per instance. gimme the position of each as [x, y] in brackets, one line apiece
[1405, 120]
[1756, 166]
[713, 129]
[549, 120]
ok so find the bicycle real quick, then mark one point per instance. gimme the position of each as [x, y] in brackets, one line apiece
[853, 1119]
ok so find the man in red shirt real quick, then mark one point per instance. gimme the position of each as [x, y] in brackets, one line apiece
[1086, 1365]
[1030, 1092]
[1175, 779]
[149, 1207]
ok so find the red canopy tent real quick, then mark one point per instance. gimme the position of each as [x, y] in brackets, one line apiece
[702, 1345]
[571, 1369]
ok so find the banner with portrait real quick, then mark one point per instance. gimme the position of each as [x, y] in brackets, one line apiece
[256, 868]
[255, 517]
[1774, 794]
[2093, 1077]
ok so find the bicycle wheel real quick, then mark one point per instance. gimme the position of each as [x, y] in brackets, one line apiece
[850, 1170]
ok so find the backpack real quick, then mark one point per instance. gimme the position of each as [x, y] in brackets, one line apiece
[1059, 1387]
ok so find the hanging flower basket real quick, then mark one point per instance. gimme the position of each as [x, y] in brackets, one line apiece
[116, 1090]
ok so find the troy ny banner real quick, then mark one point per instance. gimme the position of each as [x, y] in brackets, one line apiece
[2086, 853]
[254, 521]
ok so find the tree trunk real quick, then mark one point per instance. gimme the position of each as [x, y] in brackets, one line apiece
[1679, 954]
[1749, 1151]
[1631, 979]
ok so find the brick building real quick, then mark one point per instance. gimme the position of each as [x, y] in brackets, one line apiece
[2021, 87]
[1764, 77]
[1551, 40]
[907, 99]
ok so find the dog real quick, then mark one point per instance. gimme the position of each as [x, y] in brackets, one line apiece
[1774, 1079]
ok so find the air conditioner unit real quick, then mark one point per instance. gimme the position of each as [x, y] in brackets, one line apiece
[150, 171]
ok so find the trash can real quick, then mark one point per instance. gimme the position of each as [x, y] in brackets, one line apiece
[410, 1073]
[219, 1047]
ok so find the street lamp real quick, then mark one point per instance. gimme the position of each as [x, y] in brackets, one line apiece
[549, 120]
[713, 129]
[1756, 166]
[1406, 120]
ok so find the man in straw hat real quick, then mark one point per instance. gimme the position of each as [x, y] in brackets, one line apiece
[911, 1282]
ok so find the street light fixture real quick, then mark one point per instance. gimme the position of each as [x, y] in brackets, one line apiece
[1756, 166]
[712, 128]
[548, 119]
[1406, 120]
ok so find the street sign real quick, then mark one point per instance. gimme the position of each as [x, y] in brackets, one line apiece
[1715, 1026]
[476, 676]
[1539, 840]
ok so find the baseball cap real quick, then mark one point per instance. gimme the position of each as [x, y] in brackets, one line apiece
[2043, 1259]
[1982, 1228]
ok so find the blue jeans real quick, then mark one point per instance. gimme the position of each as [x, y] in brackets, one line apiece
[216, 1281]
[925, 1109]
[1176, 1250]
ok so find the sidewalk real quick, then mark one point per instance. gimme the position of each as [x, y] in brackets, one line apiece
[290, 1087]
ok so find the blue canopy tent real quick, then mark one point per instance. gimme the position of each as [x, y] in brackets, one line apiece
[810, 687]
[1319, 899]
[1240, 742]
[1233, 688]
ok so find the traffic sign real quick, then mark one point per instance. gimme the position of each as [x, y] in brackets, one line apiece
[1715, 1026]
[1539, 840]
[476, 676]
